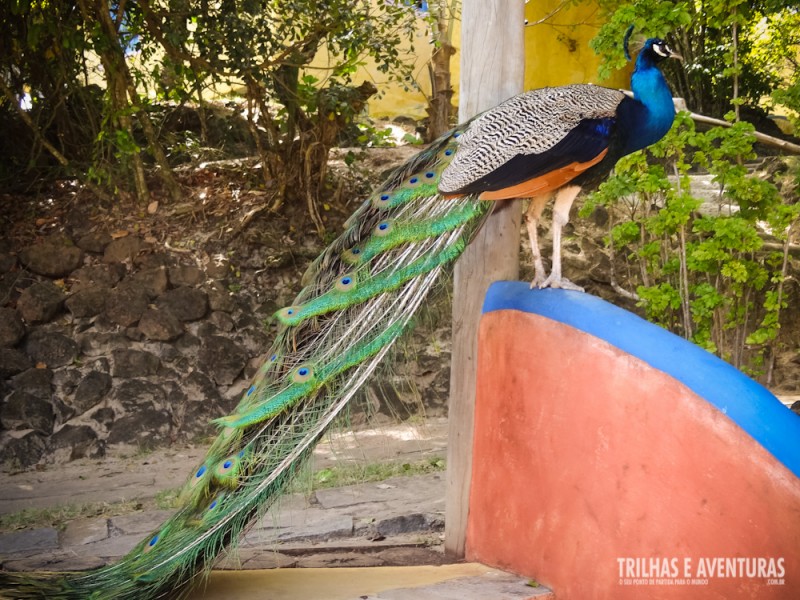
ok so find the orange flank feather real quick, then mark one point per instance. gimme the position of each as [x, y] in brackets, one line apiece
[544, 183]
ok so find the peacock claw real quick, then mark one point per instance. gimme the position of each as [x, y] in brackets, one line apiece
[559, 283]
[538, 281]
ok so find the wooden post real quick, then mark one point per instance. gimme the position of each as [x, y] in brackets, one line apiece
[492, 70]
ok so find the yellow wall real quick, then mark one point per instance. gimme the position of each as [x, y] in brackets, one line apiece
[556, 53]
[395, 101]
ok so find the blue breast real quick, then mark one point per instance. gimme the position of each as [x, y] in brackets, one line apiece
[649, 116]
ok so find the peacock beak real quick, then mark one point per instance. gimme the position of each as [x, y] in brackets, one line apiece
[675, 55]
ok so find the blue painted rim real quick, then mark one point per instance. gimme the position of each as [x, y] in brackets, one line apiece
[749, 404]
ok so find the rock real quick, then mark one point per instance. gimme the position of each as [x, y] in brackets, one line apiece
[12, 284]
[220, 298]
[153, 281]
[17, 542]
[194, 401]
[7, 262]
[205, 329]
[51, 348]
[145, 429]
[94, 242]
[222, 321]
[134, 334]
[40, 302]
[154, 259]
[247, 321]
[218, 267]
[222, 359]
[160, 325]
[66, 380]
[338, 559]
[91, 390]
[13, 362]
[52, 258]
[103, 275]
[253, 365]
[254, 558]
[165, 351]
[406, 524]
[23, 452]
[104, 416]
[315, 526]
[100, 343]
[134, 363]
[112, 548]
[188, 344]
[796, 407]
[12, 329]
[186, 275]
[134, 394]
[139, 523]
[36, 382]
[200, 389]
[187, 304]
[84, 531]
[254, 340]
[23, 410]
[64, 412]
[123, 249]
[125, 305]
[55, 563]
[88, 301]
[269, 307]
[404, 557]
[599, 216]
[72, 442]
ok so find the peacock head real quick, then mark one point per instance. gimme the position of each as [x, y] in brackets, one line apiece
[658, 50]
[654, 50]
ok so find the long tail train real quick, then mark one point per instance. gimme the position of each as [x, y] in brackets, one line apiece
[359, 297]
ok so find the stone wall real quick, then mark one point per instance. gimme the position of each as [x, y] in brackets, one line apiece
[112, 343]
[120, 346]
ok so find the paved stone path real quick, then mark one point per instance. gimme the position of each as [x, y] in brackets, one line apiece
[397, 521]
[393, 522]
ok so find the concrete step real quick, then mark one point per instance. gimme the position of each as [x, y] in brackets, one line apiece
[465, 581]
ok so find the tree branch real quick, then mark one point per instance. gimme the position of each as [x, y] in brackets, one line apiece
[761, 137]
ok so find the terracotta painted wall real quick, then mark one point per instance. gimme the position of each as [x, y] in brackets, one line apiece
[615, 460]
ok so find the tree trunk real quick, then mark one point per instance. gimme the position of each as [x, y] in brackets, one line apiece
[440, 105]
[307, 156]
[113, 57]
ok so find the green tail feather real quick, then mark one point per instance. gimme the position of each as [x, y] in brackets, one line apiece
[359, 297]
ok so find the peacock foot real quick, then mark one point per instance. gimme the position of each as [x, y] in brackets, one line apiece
[539, 280]
[557, 282]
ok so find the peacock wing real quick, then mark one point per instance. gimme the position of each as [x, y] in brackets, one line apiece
[550, 135]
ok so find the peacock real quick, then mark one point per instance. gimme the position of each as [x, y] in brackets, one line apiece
[359, 296]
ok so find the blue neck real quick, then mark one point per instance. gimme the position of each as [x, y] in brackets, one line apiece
[650, 115]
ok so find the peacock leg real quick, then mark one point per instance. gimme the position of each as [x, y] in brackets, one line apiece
[564, 199]
[532, 218]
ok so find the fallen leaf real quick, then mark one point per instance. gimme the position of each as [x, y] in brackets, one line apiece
[152, 207]
[121, 233]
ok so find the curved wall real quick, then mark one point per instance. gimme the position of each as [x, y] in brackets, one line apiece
[613, 459]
